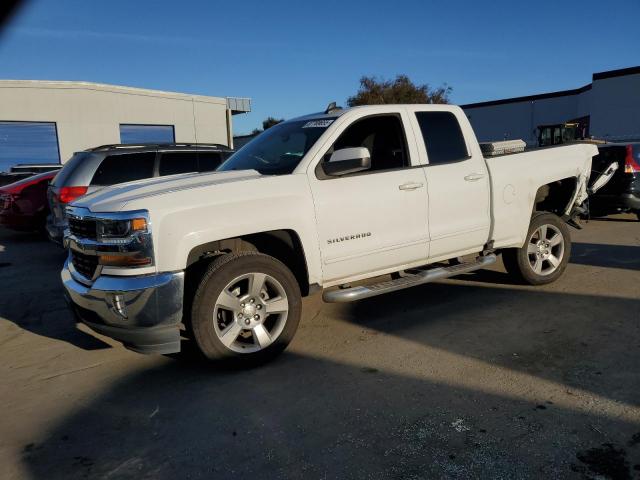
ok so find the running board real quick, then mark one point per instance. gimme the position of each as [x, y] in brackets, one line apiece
[410, 280]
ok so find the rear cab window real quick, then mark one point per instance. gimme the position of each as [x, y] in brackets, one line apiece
[126, 167]
[442, 136]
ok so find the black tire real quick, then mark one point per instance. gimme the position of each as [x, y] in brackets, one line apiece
[217, 277]
[638, 215]
[518, 262]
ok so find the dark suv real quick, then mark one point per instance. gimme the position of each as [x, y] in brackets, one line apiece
[622, 193]
[91, 170]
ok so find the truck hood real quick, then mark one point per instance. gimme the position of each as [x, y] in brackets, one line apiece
[116, 197]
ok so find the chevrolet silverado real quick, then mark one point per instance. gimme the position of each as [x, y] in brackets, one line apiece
[354, 202]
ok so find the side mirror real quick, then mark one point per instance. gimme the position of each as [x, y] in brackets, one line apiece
[348, 160]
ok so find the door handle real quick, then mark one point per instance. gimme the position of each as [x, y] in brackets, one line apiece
[410, 186]
[472, 177]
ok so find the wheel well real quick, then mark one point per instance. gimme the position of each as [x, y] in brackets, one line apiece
[555, 196]
[284, 245]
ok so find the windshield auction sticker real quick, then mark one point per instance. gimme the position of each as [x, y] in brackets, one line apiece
[318, 124]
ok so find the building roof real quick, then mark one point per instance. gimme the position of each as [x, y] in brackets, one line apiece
[237, 105]
[621, 72]
[562, 93]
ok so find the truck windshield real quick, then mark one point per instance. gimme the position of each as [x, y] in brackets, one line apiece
[278, 150]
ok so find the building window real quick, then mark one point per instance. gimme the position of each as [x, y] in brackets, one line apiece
[28, 142]
[130, 133]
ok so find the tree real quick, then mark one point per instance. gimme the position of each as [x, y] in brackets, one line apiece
[270, 122]
[375, 91]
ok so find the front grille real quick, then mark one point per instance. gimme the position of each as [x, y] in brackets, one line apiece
[85, 264]
[83, 228]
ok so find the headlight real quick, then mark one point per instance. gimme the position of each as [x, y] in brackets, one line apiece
[130, 239]
[117, 239]
[111, 230]
[133, 240]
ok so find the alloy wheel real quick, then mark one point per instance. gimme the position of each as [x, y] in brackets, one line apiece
[545, 249]
[250, 312]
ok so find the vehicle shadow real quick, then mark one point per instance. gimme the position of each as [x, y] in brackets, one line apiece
[593, 254]
[31, 293]
[587, 342]
[302, 417]
[606, 255]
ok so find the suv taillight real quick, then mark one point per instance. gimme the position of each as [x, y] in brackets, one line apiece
[630, 164]
[6, 199]
[69, 194]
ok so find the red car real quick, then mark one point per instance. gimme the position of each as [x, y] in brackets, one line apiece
[24, 205]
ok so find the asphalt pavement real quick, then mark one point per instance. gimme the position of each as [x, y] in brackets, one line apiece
[472, 377]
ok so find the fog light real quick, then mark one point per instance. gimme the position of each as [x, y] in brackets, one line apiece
[119, 305]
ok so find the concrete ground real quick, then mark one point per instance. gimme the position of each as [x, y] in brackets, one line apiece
[468, 378]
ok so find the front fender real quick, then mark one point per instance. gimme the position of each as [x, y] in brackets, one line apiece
[184, 220]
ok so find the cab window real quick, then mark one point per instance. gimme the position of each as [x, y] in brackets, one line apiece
[442, 137]
[383, 135]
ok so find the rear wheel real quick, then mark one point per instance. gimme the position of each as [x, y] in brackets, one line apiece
[246, 308]
[545, 254]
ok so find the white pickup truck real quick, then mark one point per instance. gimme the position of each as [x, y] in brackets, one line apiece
[317, 202]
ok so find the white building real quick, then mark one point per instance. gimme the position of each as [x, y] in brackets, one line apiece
[609, 107]
[47, 121]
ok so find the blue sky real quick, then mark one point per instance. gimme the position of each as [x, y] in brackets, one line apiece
[293, 58]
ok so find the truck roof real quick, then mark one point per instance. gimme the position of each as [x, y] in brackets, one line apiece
[341, 111]
[319, 116]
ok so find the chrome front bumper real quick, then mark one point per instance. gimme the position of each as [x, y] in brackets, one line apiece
[143, 312]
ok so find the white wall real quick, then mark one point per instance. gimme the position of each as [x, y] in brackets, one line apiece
[88, 115]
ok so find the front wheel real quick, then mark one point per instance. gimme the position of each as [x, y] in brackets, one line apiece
[246, 309]
[545, 254]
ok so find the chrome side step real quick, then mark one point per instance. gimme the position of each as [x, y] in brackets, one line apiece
[410, 280]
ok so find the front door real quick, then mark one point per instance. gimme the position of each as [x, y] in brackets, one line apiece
[377, 219]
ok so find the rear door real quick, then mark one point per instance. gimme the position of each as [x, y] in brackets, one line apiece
[458, 184]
